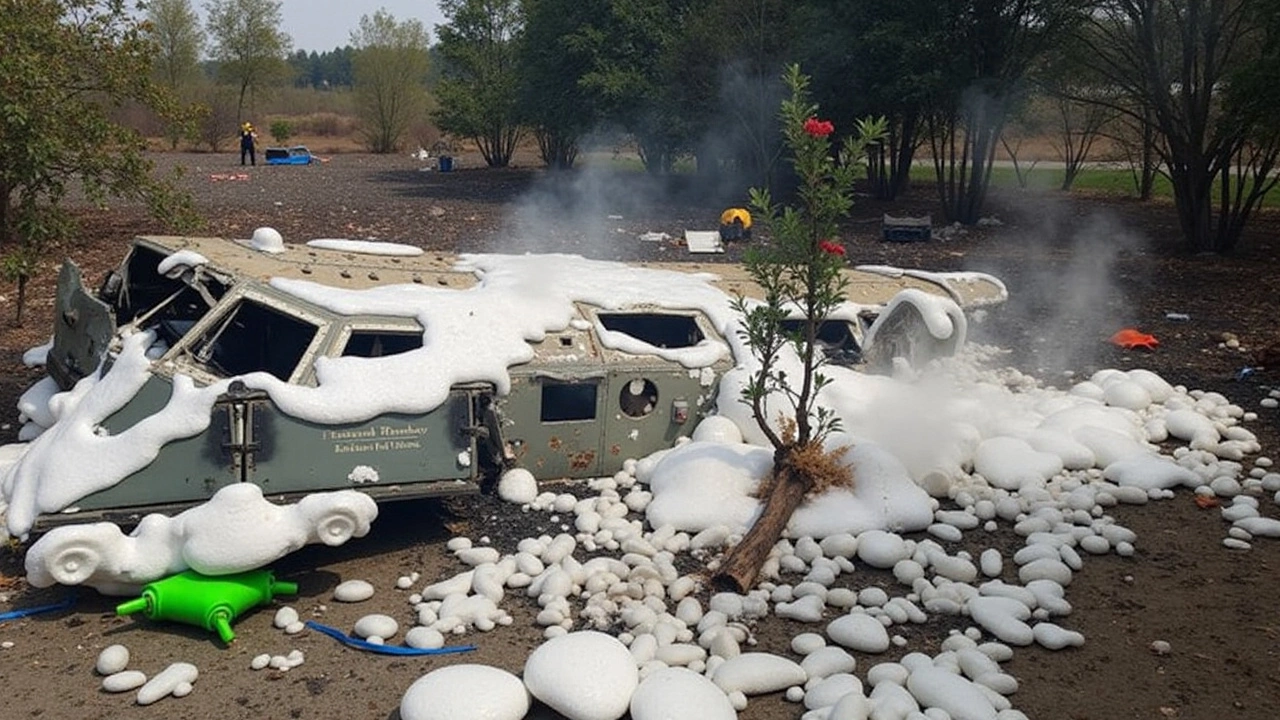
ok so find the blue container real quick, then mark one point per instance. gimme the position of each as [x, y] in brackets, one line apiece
[446, 163]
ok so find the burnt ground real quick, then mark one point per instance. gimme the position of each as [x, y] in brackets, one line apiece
[1078, 269]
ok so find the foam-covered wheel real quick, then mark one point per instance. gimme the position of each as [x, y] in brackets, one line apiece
[337, 526]
[74, 563]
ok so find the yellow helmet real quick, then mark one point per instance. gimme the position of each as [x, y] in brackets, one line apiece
[740, 215]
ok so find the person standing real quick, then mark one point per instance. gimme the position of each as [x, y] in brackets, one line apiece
[248, 138]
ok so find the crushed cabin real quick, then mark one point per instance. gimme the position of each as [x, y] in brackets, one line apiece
[577, 409]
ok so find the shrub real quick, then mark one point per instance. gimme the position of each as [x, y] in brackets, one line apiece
[281, 131]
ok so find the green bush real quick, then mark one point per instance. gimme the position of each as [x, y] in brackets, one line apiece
[281, 130]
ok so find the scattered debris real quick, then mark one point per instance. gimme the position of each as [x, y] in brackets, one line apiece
[907, 229]
[1129, 339]
[219, 177]
[1177, 317]
[703, 241]
[653, 237]
[950, 232]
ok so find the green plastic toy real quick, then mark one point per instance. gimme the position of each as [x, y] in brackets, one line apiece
[207, 601]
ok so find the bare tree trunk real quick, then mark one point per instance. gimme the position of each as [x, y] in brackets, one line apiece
[742, 565]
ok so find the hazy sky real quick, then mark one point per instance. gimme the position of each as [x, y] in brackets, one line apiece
[322, 25]
[326, 24]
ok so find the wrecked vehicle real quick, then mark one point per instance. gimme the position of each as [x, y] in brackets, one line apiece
[203, 362]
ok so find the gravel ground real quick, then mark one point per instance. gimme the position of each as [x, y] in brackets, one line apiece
[1077, 271]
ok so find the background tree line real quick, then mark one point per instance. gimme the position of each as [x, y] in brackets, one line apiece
[1182, 87]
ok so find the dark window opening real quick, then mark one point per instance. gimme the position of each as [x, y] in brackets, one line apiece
[638, 398]
[377, 343]
[659, 330]
[835, 339]
[562, 402]
[170, 305]
[252, 338]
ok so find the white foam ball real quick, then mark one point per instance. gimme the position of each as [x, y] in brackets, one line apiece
[124, 681]
[717, 428]
[677, 692]
[465, 692]
[113, 659]
[353, 591]
[758, 673]
[860, 632]
[604, 693]
[376, 625]
[518, 486]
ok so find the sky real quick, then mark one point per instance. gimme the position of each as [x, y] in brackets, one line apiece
[322, 25]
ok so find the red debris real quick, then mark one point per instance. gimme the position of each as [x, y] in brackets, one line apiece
[1130, 338]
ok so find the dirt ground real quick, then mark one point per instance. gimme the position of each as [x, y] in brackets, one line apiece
[1077, 269]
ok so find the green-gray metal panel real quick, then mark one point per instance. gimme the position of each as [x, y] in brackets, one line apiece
[82, 328]
[635, 437]
[552, 450]
[294, 455]
[186, 470]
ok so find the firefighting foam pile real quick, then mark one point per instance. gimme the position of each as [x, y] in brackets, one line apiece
[950, 452]
[1049, 463]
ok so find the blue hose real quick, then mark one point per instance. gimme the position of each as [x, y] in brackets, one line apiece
[26, 612]
[384, 649]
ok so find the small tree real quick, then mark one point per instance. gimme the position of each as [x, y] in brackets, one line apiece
[64, 67]
[390, 66]
[800, 273]
[174, 27]
[248, 44]
[281, 131]
[478, 93]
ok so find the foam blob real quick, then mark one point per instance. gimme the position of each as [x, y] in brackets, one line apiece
[679, 693]
[758, 673]
[465, 692]
[554, 674]
[518, 486]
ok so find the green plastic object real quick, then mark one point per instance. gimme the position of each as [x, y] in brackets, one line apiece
[210, 602]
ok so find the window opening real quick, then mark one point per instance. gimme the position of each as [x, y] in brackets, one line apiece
[252, 338]
[170, 306]
[564, 401]
[834, 338]
[638, 398]
[658, 329]
[379, 343]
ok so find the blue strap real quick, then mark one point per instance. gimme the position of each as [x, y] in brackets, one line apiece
[24, 612]
[357, 643]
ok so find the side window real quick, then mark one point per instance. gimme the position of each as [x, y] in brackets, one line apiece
[171, 305]
[658, 329]
[835, 339]
[378, 343]
[568, 401]
[253, 337]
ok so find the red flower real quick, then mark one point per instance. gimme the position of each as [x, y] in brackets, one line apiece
[831, 248]
[818, 128]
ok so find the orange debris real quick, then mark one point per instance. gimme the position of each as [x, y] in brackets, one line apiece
[1129, 339]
